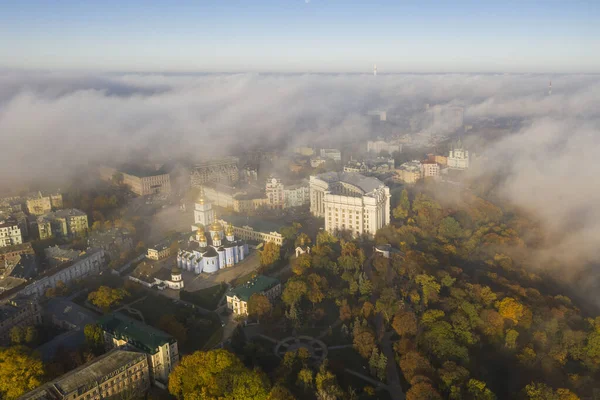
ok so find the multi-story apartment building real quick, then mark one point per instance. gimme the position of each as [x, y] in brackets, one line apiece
[275, 194]
[63, 223]
[90, 262]
[377, 146]
[10, 233]
[333, 154]
[15, 250]
[296, 195]
[40, 204]
[22, 311]
[159, 251]
[237, 298]
[160, 347]
[224, 170]
[118, 374]
[409, 172]
[350, 202]
[429, 169]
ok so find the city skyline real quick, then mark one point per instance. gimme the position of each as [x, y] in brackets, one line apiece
[301, 36]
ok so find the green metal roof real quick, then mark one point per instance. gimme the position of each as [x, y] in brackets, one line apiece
[134, 332]
[258, 284]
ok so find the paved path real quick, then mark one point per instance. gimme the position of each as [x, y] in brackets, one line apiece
[372, 381]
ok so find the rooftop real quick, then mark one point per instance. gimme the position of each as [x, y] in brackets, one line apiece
[257, 223]
[142, 171]
[138, 334]
[74, 314]
[258, 284]
[365, 183]
[90, 374]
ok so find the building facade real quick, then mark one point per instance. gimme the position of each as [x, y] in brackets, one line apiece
[116, 374]
[430, 169]
[40, 204]
[458, 157]
[62, 224]
[377, 146]
[275, 193]
[141, 181]
[333, 154]
[238, 297]
[10, 233]
[21, 311]
[409, 172]
[88, 263]
[161, 348]
[350, 202]
[223, 170]
[297, 195]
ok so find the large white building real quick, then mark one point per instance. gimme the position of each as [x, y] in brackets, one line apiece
[377, 146]
[296, 195]
[458, 157]
[350, 202]
[333, 154]
[275, 193]
[10, 234]
[217, 251]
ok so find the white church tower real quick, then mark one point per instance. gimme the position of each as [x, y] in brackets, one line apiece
[203, 212]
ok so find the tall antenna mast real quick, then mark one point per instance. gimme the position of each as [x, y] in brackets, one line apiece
[550, 88]
[375, 70]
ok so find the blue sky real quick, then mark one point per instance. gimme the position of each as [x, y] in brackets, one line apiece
[301, 36]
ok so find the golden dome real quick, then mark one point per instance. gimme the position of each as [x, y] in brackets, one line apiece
[229, 230]
[216, 236]
[200, 199]
[200, 234]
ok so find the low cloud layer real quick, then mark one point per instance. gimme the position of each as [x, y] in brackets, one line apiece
[53, 123]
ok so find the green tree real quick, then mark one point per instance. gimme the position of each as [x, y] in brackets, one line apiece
[429, 287]
[20, 372]
[449, 229]
[259, 305]
[511, 339]
[216, 374]
[382, 366]
[305, 378]
[326, 384]
[373, 360]
[280, 392]
[316, 288]
[479, 391]
[294, 291]
[453, 376]
[325, 238]
[270, 254]
[94, 337]
[105, 297]
[403, 208]
[387, 303]
[30, 335]
[169, 324]
[541, 391]
[413, 364]
[422, 391]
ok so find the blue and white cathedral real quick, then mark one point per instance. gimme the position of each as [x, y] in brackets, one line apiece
[212, 247]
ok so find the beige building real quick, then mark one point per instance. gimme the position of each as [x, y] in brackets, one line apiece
[235, 199]
[296, 195]
[159, 252]
[142, 181]
[237, 298]
[350, 202]
[429, 169]
[20, 311]
[10, 233]
[248, 233]
[116, 374]
[43, 204]
[70, 222]
[224, 170]
[275, 193]
[160, 348]
[377, 146]
[409, 172]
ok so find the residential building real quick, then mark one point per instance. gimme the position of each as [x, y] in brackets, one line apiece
[141, 180]
[429, 169]
[378, 165]
[22, 311]
[114, 241]
[17, 270]
[458, 157]
[304, 151]
[296, 195]
[333, 154]
[238, 297]
[67, 315]
[10, 233]
[350, 202]
[15, 250]
[62, 224]
[160, 347]
[377, 146]
[159, 251]
[442, 160]
[249, 174]
[90, 262]
[224, 170]
[275, 193]
[58, 255]
[246, 232]
[40, 204]
[316, 162]
[116, 374]
[409, 172]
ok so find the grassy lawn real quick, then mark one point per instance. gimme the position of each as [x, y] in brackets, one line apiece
[206, 298]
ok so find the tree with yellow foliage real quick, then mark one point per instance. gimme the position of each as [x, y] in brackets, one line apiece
[510, 309]
[20, 372]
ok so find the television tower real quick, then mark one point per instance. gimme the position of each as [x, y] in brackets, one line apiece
[550, 88]
[374, 69]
